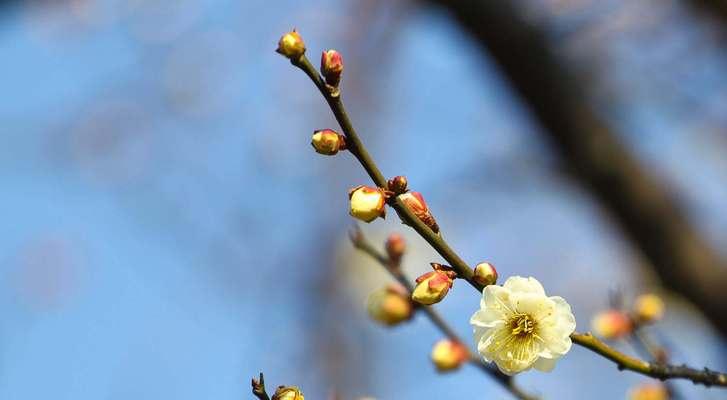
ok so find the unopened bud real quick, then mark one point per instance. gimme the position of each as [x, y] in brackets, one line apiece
[485, 274]
[328, 142]
[395, 247]
[448, 355]
[433, 286]
[291, 45]
[649, 391]
[415, 202]
[288, 393]
[398, 184]
[612, 324]
[367, 203]
[332, 67]
[390, 305]
[648, 308]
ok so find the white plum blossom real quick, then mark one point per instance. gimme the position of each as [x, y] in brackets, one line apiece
[518, 327]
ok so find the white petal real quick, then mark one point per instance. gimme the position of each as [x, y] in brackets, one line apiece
[545, 364]
[537, 306]
[527, 285]
[496, 298]
[555, 346]
[487, 318]
[565, 321]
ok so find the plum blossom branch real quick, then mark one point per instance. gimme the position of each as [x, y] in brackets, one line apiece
[394, 268]
[656, 370]
[332, 96]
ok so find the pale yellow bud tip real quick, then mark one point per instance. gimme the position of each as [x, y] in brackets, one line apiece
[648, 308]
[291, 45]
[367, 203]
[389, 306]
[448, 355]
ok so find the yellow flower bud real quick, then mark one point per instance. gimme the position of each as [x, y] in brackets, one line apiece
[327, 142]
[612, 324]
[485, 274]
[433, 286]
[649, 391]
[648, 308]
[367, 203]
[291, 45]
[390, 305]
[288, 393]
[448, 355]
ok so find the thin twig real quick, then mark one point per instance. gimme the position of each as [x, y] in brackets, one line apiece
[656, 370]
[359, 241]
[258, 388]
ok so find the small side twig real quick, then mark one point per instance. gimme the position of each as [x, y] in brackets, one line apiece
[359, 242]
[258, 388]
[656, 370]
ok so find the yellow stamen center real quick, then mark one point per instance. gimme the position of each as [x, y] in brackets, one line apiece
[522, 325]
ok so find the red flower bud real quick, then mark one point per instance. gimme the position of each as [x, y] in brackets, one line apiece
[395, 247]
[418, 206]
[398, 184]
[332, 67]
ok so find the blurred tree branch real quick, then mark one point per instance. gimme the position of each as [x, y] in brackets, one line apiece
[644, 209]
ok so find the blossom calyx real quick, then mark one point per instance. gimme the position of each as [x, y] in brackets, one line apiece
[648, 308]
[291, 45]
[390, 305]
[415, 202]
[367, 203]
[328, 142]
[288, 393]
[433, 286]
[612, 324]
[332, 67]
[485, 274]
[448, 355]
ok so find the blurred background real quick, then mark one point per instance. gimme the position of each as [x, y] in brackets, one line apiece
[169, 233]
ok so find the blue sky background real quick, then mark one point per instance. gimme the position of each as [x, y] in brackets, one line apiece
[168, 232]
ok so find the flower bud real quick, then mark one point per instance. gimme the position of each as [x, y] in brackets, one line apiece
[288, 393]
[416, 204]
[485, 274]
[328, 142]
[291, 45]
[367, 203]
[433, 286]
[390, 305]
[649, 391]
[332, 67]
[612, 324]
[397, 184]
[648, 308]
[395, 247]
[448, 355]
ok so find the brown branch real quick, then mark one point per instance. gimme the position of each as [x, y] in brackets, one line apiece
[359, 242]
[258, 388]
[641, 206]
[356, 148]
[660, 371]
